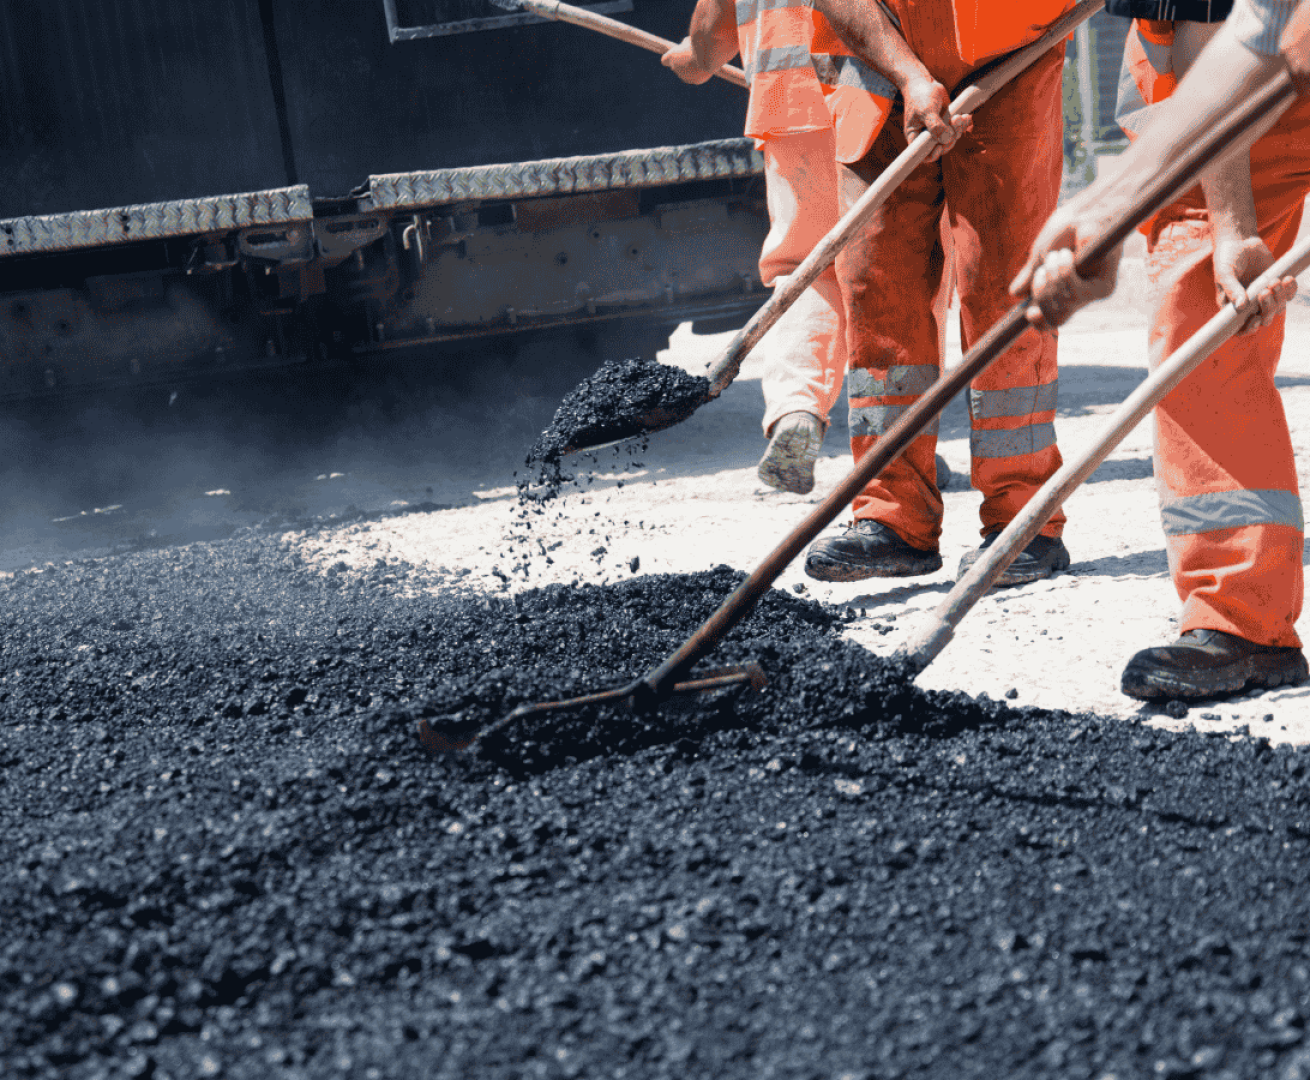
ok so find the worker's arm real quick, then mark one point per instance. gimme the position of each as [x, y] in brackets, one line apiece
[710, 43]
[1240, 256]
[1295, 47]
[871, 36]
[1225, 72]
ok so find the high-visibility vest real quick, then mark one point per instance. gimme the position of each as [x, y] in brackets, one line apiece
[1147, 76]
[774, 38]
[989, 28]
[861, 98]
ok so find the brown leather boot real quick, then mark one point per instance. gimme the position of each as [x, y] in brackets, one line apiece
[1203, 663]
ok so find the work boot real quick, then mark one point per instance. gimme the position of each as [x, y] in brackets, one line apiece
[868, 549]
[788, 463]
[1043, 557]
[1203, 663]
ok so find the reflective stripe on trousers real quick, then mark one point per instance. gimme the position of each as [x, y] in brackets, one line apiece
[1022, 403]
[1211, 511]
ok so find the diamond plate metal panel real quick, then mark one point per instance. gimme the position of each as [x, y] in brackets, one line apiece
[152, 221]
[565, 176]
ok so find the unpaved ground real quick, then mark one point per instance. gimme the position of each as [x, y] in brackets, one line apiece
[692, 500]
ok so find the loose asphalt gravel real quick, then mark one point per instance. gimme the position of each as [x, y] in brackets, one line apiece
[620, 401]
[225, 853]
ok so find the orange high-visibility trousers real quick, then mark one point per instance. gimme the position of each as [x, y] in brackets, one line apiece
[1224, 465]
[804, 354]
[996, 187]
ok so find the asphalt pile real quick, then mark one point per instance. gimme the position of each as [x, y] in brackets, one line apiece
[226, 855]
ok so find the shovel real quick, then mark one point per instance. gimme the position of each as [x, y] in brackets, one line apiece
[1175, 178]
[939, 627]
[723, 370]
[553, 9]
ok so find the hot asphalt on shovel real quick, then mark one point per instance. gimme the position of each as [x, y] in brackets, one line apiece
[660, 682]
[645, 417]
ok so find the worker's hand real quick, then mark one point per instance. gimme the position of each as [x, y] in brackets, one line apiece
[927, 108]
[1237, 263]
[681, 60]
[1049, 278]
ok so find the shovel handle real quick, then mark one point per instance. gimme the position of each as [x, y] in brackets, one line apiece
[984, 86]
[553, 9]
[1165, 186]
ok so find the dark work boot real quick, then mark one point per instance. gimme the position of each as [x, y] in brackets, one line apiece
[1203, 663]
[868, 549]
[1040, 559]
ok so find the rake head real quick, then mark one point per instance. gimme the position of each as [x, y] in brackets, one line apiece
[445, 735]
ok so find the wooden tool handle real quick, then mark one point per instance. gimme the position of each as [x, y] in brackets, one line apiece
[725, 369]
[553, 9]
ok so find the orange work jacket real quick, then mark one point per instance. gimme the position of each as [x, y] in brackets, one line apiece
[774, 37]
[989, 28]
[861, 98]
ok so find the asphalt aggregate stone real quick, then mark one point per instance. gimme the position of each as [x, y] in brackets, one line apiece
[225, 853]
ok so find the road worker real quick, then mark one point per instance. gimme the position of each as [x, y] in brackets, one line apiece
[889, 70]
[804, 355]
[1224, 465]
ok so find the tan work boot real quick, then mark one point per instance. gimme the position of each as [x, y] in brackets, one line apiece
[788, 463]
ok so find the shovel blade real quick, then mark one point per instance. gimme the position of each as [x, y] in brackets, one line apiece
[647, 423]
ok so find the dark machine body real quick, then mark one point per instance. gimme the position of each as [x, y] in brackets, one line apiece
[197, 186]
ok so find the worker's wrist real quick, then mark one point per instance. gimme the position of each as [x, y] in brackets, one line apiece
[907, 71]
[1227, 223]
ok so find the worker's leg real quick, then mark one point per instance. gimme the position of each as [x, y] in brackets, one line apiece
[890, 277]
[1224, 463]
[1002, 181]
[1225, 469]
[805, 353]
